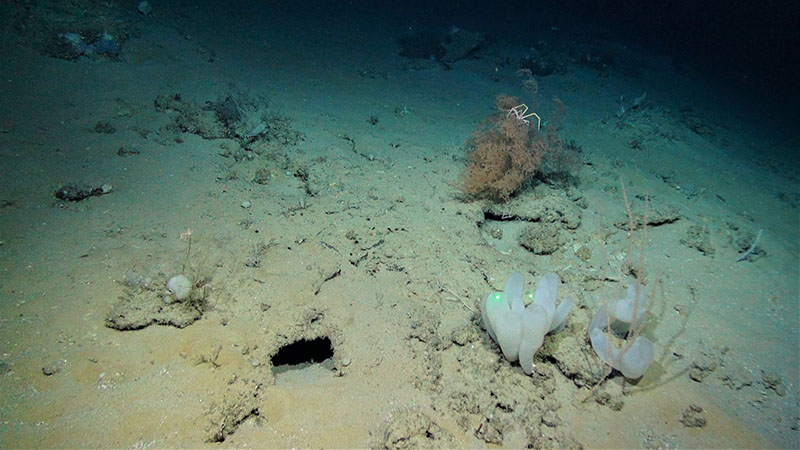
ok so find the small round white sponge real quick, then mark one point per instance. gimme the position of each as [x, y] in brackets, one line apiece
[180, 286]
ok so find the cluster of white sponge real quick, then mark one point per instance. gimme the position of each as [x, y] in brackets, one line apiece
[619, 315]
[519, 330]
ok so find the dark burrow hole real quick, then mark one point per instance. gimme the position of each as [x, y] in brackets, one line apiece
[300, 354]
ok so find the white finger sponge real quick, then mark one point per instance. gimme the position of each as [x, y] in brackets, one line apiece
[520, 330]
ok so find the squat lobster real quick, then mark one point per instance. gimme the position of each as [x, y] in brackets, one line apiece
[521, 112]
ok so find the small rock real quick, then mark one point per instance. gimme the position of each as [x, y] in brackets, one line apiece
[104, 127]
[703, 365]
[246, 204]
[584, 253]
[262, 176]
[345, 361]
[772, 381]
[693, 417]
[550, 419]
[51, 369]
[145, 8]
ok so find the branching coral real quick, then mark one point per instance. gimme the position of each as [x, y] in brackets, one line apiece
[506, 154]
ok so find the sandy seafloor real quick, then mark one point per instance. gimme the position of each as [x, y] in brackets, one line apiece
[361, 236]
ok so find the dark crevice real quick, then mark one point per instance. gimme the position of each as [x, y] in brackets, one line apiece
[328, 278]
[224, 432]
[488, 215]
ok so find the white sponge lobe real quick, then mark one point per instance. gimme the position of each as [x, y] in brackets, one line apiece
[180, 286]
